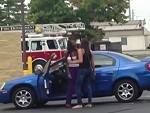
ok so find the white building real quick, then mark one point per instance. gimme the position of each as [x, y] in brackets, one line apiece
[132, 35]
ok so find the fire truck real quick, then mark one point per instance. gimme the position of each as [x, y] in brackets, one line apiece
[46, 39]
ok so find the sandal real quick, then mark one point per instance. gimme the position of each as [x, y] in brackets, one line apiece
[68, 105]
[88, 106]
[77, 106]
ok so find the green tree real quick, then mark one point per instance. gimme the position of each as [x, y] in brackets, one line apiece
[50, 11]
[100, 11]
[1, 17]
[86, 11]
[10, 9]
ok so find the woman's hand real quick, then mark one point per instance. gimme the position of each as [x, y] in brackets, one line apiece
[79, 60]
[69, 76]
[72, 61]
[69, 61]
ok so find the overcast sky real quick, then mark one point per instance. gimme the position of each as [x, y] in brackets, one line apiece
[141, 9]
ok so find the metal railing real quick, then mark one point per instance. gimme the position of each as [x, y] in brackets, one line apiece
[47, 27]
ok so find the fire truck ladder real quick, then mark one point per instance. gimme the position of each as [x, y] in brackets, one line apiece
[59, 28]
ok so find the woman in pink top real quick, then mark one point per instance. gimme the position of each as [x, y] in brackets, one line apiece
[72, 54]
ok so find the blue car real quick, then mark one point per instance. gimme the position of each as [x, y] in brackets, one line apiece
[116, 74]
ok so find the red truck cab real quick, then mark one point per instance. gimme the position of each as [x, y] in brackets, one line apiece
[40, 48]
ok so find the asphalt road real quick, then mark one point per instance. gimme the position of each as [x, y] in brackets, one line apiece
[101, 105]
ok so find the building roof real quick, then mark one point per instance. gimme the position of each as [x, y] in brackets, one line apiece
[132, 22]
[146, 31]
[126, 32]
[131, 28]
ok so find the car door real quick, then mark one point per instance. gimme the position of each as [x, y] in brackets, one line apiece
[58, 78]
[54, 80]
[49, 81]
[44, 82]
[106, 68]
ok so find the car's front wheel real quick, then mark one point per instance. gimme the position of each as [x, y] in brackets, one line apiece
[126, 91]
[42, 103]
[139, 94]
[23, 98]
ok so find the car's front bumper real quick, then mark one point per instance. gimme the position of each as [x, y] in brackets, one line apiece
[4, 97]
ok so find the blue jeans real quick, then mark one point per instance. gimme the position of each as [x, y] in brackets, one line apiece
[83, 79]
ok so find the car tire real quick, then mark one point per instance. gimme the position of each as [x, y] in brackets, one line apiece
[126, 91]
[23, 98]
[139, 94]
[38, 65]
[42, 103]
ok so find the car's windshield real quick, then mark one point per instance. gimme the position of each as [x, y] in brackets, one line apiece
[130, 58]
[63, 43]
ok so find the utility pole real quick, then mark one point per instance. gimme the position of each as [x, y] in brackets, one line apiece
[132, 14]
[23, 35]
[129, 10]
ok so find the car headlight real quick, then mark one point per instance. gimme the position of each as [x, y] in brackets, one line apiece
[3, 86]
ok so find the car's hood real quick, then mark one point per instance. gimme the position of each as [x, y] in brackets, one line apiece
[24, 79]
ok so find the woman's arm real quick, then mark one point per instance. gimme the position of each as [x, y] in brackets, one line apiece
[80, 58]
[67, 69]
[67, 65]
[92, 62]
